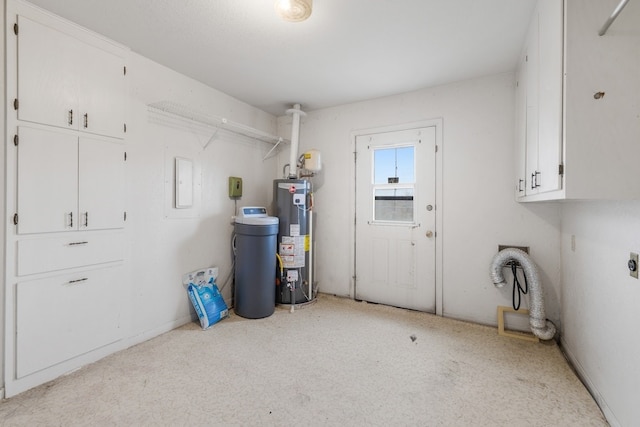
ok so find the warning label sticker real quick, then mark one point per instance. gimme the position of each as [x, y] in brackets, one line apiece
[292, 251]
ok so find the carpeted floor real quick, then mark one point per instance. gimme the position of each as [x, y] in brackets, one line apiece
[335, 362]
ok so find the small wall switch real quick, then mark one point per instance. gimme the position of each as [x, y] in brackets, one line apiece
[632, 264]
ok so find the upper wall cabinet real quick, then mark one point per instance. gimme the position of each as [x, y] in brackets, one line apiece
[68, 83]
[578, 103]
[68, 183]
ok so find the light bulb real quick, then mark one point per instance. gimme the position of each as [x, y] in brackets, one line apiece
[293, 10]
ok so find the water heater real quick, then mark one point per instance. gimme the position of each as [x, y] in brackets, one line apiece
[292, 206]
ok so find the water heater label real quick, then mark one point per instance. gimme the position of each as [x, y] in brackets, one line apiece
[294, 230]
[292, 251]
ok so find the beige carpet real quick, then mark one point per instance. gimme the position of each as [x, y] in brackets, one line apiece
[336, 362]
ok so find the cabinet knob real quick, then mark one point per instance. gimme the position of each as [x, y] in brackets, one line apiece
[429, 234]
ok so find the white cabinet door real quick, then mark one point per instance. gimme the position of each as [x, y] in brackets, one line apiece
[521, 126]
[58, 318]
[66, 183]
[101, 184]
[68, 83]
[47, 84]
[550, 51]
[47, 181]
[532, 64]
[541, 98]
[102, 94]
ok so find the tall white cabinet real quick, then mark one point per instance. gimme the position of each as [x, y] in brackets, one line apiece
[65, 166]
[577, 104]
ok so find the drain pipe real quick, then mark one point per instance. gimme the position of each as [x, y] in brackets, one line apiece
[540, 326]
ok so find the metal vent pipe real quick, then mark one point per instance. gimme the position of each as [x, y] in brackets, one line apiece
[540, 326]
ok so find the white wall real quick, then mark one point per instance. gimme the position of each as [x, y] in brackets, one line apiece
[479, 211]
[166, 243]
[2, 199]
[600, 313]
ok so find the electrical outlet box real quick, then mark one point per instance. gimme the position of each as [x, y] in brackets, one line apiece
[525, 249]
[235, 186]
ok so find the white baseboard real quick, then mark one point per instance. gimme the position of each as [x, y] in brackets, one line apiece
[584, 377]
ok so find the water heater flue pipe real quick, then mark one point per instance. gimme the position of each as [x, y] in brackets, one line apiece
[540, 326]
[295, 112]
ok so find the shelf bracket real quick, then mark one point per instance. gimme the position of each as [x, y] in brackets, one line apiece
[273, 148]
[211, 139]
[612, 18]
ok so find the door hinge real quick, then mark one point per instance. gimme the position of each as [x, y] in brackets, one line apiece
[15, 219]
[16, 139]
[16, 104]
[436, 148]
[125, 156]
[15, 28]
[125, 70]
[125, 127]
[561, 169]
[125, 215]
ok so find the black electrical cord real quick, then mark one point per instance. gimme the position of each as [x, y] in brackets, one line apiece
[517, 288]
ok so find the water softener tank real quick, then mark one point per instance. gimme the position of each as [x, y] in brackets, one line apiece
[291, 198]
[256, 242]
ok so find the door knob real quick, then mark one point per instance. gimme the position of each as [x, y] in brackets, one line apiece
[429, 234]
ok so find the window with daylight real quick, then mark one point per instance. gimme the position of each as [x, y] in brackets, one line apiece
[393, 184]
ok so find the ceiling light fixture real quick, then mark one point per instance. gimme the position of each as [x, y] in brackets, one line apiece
[293, 10]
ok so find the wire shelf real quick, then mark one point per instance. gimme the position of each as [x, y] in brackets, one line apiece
[183, 112]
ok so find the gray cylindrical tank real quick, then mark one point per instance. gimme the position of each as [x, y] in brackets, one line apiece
[255, 287]
[291, 206]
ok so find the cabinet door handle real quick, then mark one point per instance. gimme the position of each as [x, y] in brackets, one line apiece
[533, 181]
[520, 182]
[77, 243]
[537, 173]
[86, 219]
[71, 282]
[86, 120]
[70, 219]
[70, 120]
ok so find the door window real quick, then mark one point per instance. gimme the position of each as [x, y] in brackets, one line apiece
[394, 184]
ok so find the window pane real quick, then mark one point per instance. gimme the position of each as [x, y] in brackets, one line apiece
[393, 165]
[393, 204]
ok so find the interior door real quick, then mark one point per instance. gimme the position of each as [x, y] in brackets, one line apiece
[395, 218]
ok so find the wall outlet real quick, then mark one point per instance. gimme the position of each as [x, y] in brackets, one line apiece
[632, 264]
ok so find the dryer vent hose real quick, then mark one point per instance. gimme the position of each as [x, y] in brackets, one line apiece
[540, 326]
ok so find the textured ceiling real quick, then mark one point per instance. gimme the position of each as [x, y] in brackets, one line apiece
[349, 50]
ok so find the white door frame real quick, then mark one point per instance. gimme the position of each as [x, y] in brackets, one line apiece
[437, 123]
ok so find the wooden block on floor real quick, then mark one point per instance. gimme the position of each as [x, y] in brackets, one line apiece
[513, 334]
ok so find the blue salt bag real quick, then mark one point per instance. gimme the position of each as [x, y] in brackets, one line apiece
[205, 297]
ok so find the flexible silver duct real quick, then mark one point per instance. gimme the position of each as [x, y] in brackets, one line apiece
[540, 326]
